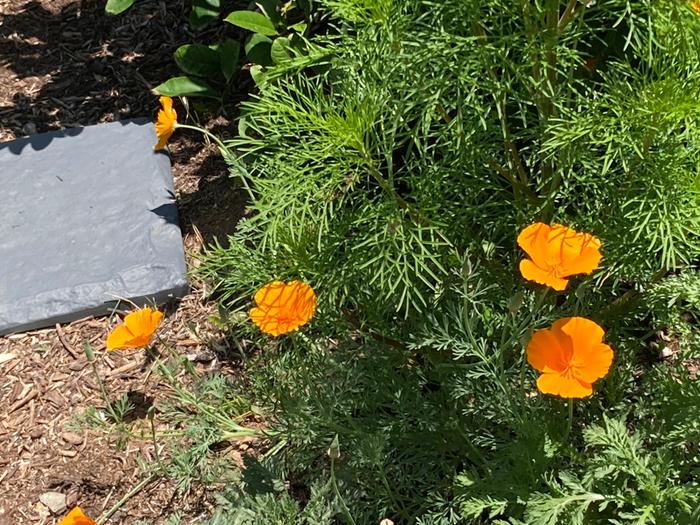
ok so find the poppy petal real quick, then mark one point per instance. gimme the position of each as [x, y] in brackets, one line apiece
[573, 252]
[283, 307]
[564, 386]
[532, 272]
[136, 331]
[595, 364]
[167, 103]
[534, 242]
[583, 332]
[586, 262]
[548, 350]
[144, 321]
[120, 337]
[165, 122]
[76, 517]
[269, 294]
[163, 135]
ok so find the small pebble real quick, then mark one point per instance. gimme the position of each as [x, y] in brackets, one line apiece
[54, 501]
[36, 433]
[72, 438]
[29, 128]
[666, 352]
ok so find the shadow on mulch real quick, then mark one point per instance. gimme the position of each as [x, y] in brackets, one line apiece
[210, 203]
[73, 65]
[65, 63]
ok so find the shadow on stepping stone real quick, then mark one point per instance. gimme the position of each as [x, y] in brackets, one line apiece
[89, 219]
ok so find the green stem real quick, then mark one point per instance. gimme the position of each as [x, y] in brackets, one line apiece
[205, 132]
[228, 156]
[568, 15]
[570, 420]
[103, 391]
[106, 515]
[539, 301]
[343, 506]
[151, 418]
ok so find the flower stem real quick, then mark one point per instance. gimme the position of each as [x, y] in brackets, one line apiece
[570, 420]
[103, 389]
[228, 156]
[205, 132]
[343, 506]
[106, 515]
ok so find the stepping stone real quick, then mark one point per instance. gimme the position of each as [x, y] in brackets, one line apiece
[87, 219]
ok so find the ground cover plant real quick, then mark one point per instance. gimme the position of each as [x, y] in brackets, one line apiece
[468, 271]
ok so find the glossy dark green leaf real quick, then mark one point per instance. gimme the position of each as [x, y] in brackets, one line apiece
[114, 7]
[186, 86]
[269, 7]
[203, 12]
[229, 57]
[258, 48]
[197, 60]
[280, 52]
[252, 21]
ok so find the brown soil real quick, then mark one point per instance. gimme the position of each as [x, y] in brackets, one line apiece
[64, 63]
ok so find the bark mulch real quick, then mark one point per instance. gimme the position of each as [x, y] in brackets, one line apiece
[64, 63]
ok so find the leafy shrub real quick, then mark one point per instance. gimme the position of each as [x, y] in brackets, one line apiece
[395, 179]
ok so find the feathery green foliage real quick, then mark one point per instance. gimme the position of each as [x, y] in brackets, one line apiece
[394, 176]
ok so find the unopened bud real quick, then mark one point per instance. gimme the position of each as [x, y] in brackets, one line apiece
[334, 449]
[89, 353]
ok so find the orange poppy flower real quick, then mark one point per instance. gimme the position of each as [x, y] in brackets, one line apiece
[571, 355]
[166, 123]
[283, 307]
[137, 330]
[696, 6]
[76, 517]
[556, 253]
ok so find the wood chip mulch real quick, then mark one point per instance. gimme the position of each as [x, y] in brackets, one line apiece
[63, 63]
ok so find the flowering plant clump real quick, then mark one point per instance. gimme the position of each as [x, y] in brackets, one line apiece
[393, 178]
[283, 307]
[76, 517]
[136, 331]
[571, 355]
[556, 253]
[165, 123]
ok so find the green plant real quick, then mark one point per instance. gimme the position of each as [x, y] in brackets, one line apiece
[277, 40]
[203, 11]
[395, 180]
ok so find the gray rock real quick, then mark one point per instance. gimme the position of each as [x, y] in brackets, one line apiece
[54, 501]
[88, 219]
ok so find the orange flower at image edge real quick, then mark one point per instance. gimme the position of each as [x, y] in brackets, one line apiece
[137, 330]
[696, 6]
[571, 355]
[166, 123]
[556, 253]
[283, 307]
[76, 517]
